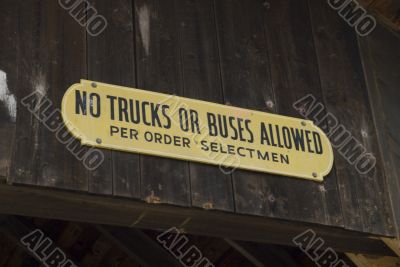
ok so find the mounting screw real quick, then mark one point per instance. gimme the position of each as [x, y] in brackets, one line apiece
[98, 140]
[269, 104]
[303, 123]
[314, 174]
[94, 85]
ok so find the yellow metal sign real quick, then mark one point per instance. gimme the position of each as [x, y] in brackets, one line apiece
[133, 120]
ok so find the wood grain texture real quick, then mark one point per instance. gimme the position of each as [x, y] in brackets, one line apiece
[51, 57]
[9, 73]
[210, 187]
[27, 130]
[61, 205]
[257, 41]
[381, 58]
[62, 61]
[295, 74]
[364, 198]
[246, 83]
[387, 11]
[261, 55]
[111, 59]
[159, 68]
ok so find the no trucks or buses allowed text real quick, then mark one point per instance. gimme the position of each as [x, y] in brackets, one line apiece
[134, 120]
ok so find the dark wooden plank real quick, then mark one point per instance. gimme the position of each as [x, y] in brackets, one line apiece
[246, 83]
[387, 11]
[364, 197]
[111, 60]
[8, 81]
[51, 58]
[381, 59]
[210, 187]
[294, 73]
[62, 60]
[159, 68]
[70, 206]
[27, 130]
[7, 131]
[247, 32]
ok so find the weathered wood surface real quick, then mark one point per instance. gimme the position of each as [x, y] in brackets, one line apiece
[51, 56]
[111, 59]
[262, 55]
[364, 198]
[70, 206]
[8, 82]
[210, 187]
[386, 10]
[159, 65]
[297, 76]
[381, 58]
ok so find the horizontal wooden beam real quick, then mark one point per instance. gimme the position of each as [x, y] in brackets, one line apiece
[361, 260]
[393, 244]
[81, 207]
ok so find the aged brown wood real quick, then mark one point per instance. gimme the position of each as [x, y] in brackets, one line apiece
[8, 71]
[246, 67]
[364, 197]
[62, 61]
[381, 58]
[388, 11]
[7, 131]
[246, 83]
[24, 154]
[210, 187]
[55, 204]
[159, 68]
[259, 55]
[51, 58]
[111, 60]
[294, 75]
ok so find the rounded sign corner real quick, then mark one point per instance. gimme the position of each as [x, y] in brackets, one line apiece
[152, 123]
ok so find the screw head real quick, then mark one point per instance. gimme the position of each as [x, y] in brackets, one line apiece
[98, 140]
[303, 123]
[314, 174]
[94, 85]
